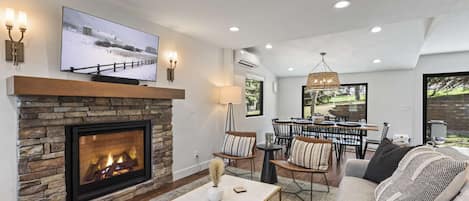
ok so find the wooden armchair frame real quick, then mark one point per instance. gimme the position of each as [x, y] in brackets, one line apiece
[294, 168]
[236, 158]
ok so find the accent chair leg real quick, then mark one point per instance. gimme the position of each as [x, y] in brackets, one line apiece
[252, 162]
[366, 147]
[327, 182]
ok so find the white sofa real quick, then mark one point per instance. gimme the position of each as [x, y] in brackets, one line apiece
[354, 188]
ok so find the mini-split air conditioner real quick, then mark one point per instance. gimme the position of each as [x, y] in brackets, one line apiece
[246, 59]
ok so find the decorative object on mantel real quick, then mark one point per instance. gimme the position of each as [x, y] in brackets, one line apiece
[322, 77]
[216, 169]
[230, 95]
[22, 85]
[173, 60]
[14, 50]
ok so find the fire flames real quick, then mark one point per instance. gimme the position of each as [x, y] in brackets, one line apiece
[120, 160]
[110, 159]
[107, 166]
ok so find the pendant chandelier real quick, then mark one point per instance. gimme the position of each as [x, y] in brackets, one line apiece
[322, 77]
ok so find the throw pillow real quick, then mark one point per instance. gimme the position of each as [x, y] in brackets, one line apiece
[311, 155]
[385, 161]
[238, 146]
[423, 175]
[463, 194]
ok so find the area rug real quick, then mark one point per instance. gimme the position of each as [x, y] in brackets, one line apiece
[285, 183]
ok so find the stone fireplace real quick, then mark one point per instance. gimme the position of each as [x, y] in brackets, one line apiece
[48, 123]
[106, 157]
[81, 140]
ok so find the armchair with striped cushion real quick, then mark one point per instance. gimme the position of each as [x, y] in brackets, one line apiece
[308, 155]
[238, 146]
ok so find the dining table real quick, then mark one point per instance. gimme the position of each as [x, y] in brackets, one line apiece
[339, 132]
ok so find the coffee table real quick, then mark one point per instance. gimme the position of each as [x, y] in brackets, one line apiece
[256, 191]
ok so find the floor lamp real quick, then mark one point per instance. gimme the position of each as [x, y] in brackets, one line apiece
[230, 95]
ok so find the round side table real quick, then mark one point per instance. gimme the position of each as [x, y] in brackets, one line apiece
[269, 173]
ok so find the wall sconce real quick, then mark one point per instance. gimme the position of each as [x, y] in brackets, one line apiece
[172, 56]
[14, 50]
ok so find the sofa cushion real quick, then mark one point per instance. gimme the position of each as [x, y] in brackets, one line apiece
[457, 155]
[463, 194]
[423, 175]
[385, 161]
[453, 153]
[356, 189]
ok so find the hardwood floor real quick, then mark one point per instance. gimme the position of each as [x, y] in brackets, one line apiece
[334, 175]
[170, 187]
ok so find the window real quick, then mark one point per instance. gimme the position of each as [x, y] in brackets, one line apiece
[348, 103]
[446, 108]
[254, 90]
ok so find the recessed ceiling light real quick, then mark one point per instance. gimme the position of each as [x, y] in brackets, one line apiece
[342, 4]
[377, 61]
[268, 46]
[291, 69]
[234, 29]
[376, 29]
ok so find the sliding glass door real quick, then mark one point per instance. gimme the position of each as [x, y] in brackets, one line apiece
[446, 108]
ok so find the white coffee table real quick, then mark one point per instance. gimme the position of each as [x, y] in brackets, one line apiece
[256, 191]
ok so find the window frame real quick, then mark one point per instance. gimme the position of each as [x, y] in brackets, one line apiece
[425, 77]
[261, 97]
[342, 85]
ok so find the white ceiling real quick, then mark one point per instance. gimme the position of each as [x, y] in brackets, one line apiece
[263, 21]
[300, 29]
[398, 46]
[448, 33]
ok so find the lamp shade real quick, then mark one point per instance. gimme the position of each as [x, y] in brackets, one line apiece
[323, 81]
[230, 94]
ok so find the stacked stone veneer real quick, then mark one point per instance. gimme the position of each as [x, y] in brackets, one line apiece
[41, 140]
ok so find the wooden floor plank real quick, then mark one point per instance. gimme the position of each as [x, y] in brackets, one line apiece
[334, 175]
[167, 188]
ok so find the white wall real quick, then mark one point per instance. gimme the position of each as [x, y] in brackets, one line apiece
[260, 124]
[393, 96]
[198, 120]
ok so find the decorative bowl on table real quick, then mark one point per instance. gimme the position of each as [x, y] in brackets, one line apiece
[324, 123]
[303, 121]
[349, 124]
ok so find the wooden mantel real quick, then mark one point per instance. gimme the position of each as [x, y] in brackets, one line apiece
[22, 85]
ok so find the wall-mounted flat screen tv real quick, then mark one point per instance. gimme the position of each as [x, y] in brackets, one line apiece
[92, 45]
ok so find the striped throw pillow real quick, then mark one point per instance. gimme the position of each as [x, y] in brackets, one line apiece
[423, 175]
[310, 155]
[238, 146]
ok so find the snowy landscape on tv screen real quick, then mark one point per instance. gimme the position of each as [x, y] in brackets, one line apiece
[95, 46]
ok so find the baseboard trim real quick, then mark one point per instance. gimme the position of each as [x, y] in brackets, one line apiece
[188, 171]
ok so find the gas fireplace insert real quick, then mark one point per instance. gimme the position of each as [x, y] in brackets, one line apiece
[103, 158]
